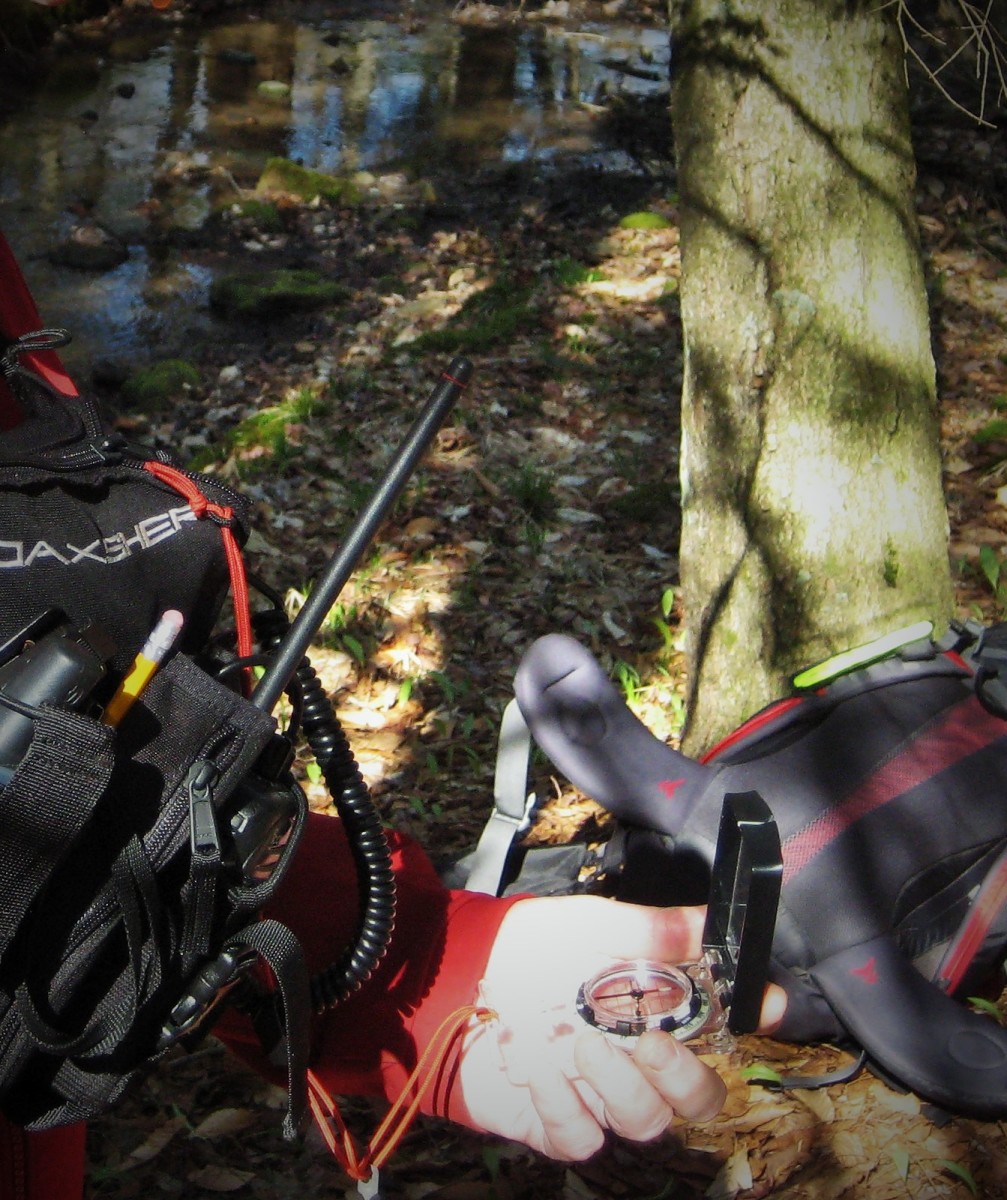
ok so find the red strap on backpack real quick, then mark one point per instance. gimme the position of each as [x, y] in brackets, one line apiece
[223, 516]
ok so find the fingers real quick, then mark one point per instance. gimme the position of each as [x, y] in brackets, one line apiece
[694, 1090]
[774, 1007]
[633, 1107]
[570, 1132]
[642, 1092]
[636, 1096]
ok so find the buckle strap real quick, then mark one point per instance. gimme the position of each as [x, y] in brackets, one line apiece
[512, 805]
[282, 1019]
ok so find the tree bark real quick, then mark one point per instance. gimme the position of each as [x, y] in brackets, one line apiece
[813, 512]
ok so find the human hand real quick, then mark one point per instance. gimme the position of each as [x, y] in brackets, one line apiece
[538, 1074]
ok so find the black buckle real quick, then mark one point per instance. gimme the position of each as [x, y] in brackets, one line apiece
[205, 991]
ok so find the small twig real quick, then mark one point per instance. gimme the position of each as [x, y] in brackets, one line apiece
[991, 61]
[494, 490]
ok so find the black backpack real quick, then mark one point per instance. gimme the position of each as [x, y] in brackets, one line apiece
[888, 785]
[134, 858]
[147, 806]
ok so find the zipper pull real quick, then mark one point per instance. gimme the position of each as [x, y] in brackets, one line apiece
[204, 834]
[204, 866]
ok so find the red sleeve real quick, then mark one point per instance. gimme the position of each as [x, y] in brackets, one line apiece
[48, 1165]
[368, 1044]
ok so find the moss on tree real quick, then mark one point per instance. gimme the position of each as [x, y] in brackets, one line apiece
[813, 512]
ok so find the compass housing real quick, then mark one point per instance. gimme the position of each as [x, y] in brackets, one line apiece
[628, 998]
[721, 993]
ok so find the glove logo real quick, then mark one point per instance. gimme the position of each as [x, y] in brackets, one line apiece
[868, 972]
[670, 786]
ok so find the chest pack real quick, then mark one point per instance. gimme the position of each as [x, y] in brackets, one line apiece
[146, 807]
[888, 785]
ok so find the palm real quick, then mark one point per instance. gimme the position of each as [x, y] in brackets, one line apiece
[538, 1074]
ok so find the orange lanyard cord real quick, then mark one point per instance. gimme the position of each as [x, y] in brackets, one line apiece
[400, 1116]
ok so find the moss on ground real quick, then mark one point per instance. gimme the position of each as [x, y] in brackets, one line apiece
[265, 295]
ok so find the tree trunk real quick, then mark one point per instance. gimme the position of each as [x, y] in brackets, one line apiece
[813, 512]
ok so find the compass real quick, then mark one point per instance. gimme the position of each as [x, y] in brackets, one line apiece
[628, 998]
[721, 992]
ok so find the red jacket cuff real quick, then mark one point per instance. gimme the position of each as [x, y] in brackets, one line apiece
[369, 1043]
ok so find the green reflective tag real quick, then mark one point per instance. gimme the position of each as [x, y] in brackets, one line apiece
[860, 656]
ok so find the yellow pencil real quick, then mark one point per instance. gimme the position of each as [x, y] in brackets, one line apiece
[162, 638]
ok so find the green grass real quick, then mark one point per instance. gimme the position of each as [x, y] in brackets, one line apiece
[265, 431]
[569, 272]
[533, 490]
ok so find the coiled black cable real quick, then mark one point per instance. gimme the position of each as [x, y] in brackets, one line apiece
[364, 832]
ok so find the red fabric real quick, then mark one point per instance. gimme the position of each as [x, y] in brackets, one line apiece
[19, 315]
[370, 1042]
[41, 1166]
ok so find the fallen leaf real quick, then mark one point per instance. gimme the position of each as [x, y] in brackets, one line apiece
[614, 629]
[902, 1102]
[767, 1113]
[155, 1142]
[575, 1188]
[900, 1157]
[576, 516]
[848, 1147]
[421, 527]
[220, 1179]
[820, 1103]
[733, 1177]
[784, 1159]
[224, 1122]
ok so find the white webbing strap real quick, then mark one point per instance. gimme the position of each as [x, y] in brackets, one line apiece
[512, 805]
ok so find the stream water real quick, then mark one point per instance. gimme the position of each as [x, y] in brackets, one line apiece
[426, 94]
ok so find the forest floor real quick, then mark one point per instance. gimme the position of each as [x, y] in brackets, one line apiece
[549, 502]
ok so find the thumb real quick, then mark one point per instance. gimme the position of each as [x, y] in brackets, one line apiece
[579, 932]
[774, 1008]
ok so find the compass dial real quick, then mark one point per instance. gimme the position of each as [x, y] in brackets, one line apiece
[631, 997]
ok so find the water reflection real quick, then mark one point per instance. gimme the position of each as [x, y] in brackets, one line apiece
[358, 95]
